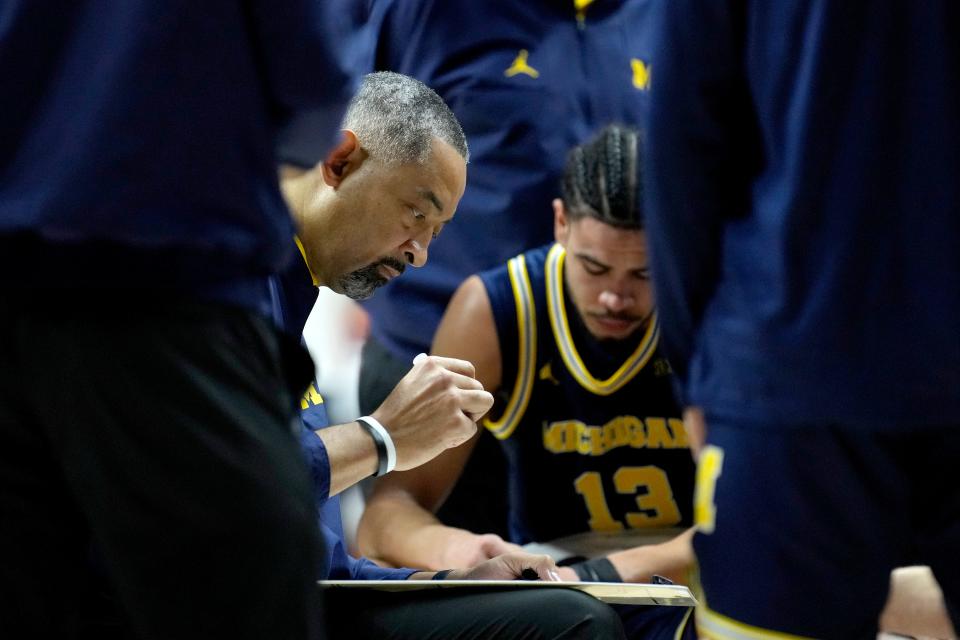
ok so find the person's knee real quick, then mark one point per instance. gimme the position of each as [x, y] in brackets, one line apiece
[579, 615]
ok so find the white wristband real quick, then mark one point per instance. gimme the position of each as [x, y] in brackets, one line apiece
[391, 448]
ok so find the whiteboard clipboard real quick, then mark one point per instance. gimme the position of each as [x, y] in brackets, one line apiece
[611, 592]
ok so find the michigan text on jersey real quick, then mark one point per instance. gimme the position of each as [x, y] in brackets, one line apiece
[567, 436]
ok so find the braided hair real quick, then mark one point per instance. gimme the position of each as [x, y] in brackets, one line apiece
[602, 179]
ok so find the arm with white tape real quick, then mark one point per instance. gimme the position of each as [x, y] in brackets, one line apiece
[433, 408]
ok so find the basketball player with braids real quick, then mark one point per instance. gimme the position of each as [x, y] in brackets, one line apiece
[567, 337]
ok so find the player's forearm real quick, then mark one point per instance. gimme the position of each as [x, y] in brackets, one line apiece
[397, 530]
[352, 454]
[671, 559]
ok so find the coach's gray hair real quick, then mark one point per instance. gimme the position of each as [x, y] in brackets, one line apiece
[396, 118]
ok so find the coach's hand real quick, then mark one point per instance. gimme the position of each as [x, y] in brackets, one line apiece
[433, 408]
[510, 566]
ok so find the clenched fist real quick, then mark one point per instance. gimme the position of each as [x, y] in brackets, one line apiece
[433, 408]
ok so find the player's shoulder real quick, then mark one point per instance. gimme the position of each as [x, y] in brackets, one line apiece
[536, 258]
[470, 296]
[528, 265]
[518, 279]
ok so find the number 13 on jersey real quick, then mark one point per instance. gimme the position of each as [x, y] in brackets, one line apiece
[656, 503]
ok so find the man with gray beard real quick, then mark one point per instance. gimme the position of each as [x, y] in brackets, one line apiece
[370, 208]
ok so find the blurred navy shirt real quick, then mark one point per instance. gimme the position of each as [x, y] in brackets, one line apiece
[137, 139]
[804, 208]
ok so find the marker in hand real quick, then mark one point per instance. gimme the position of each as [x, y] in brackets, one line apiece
[434, 407]
[531, 574]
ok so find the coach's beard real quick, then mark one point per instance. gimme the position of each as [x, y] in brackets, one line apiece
[361, 284]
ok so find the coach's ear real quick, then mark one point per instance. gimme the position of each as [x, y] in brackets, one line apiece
[343, 159]
[561, 226]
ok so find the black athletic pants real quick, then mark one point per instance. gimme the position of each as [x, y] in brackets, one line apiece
[470, 614]
[148, 439]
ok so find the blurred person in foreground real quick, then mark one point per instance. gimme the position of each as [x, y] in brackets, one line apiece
[804, 219]
[146, 399]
